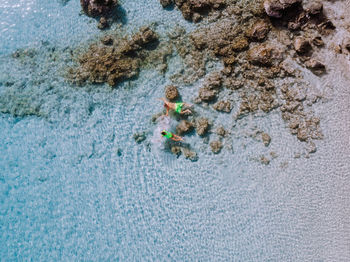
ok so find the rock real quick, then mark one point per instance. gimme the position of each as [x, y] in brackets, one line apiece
[95, 8]
[266, 139]
[176, 150]
[189, 154]
[346, 44]
[202, 126]
[260, 55]
[302, 133]
[311, 147]
[317, 41]
[313, 7]
[107, 40]
[216, 146]
[171, 92]
[316, 66]
[221, 131]
[166, 3]
[184, 127]
[275, 8]
[239, 44]
[206, 94]
[259, 30]
[139, 137]
[223, 106]
[103, 24]
[112, 64]
[302, 45]
[264, 160]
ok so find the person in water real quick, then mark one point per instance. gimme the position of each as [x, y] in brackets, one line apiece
[171, 136]
[177, 107]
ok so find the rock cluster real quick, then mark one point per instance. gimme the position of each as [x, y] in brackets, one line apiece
[112, 63]
[194, 10]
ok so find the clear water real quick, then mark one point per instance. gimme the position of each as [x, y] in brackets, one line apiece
[74, 185]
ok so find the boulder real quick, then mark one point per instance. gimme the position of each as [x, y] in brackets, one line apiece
[171, 92]
[275, 8]
[95, 8]
[302, 45]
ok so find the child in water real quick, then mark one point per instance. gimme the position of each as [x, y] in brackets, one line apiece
[177, 107]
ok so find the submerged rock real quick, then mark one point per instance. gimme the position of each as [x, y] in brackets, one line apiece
[216, 146]
[139, 137]
[266, 139]
[223, 106]
[202, 126]
[95, 8]
[166, 3]
[184, 127]
[171, 92]
[112, 64]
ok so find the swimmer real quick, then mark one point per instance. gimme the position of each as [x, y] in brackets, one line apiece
[171, 136]
[177, 107]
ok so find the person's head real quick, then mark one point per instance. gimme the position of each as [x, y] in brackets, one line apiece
[163, 133]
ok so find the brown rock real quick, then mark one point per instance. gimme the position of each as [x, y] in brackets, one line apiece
[103, 24]
[302, 45]
[202, 126]
[313, 7]
[95, 8]
[107, 40]
[221, 131]
[259, 30]
[266, 139]
[316, 66]
[260, 55]
[223, 106]
[176, 150]
[184, 127]
[264, 160]
[166, 3]
[275, 8]
[239, 44]
[216, 146]
[189, 154]
[317, 41]
[171, 92]
[207, 94]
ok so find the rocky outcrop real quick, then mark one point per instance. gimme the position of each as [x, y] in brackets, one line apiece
[112, 64]
[95, 8]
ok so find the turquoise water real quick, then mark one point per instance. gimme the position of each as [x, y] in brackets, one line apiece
[74, 185]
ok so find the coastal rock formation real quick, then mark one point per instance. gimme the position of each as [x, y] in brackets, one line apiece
[95, 8]
[113, 63]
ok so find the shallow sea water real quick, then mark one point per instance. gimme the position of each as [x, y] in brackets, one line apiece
[74, 185]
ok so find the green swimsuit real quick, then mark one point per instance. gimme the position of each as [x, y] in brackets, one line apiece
[167, 134]
[178, 107]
